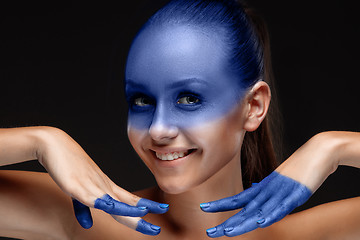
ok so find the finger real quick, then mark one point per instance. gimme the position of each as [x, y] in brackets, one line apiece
[247, 225]
[82, 214]
[298, 197]
[228, 225]
[138, 224]
[147, 228]
[153, 207]
[215, 232]
[112, 206]
[231, 203]
[125, 196]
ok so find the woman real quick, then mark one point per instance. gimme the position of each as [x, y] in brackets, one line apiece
[196, 86]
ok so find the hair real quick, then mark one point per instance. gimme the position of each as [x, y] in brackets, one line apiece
[247, 46]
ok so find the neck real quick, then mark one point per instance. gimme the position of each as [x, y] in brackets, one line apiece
[185, 216]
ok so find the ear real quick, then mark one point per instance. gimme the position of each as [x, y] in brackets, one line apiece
[257, 104]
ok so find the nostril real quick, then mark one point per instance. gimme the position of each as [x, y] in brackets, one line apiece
[159, 132]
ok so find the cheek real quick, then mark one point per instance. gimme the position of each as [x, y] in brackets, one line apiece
[139, 121]
[220, 141]
[136, 137]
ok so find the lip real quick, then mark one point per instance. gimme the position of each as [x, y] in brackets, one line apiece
[171, 163]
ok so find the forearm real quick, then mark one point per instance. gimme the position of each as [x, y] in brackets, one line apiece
[346, 149]
[312, 163]
[19, 144]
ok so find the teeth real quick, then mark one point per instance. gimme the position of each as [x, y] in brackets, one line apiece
[171, 156]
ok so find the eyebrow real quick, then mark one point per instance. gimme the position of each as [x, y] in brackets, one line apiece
[134, 84]
[183, 82]
[176, 84]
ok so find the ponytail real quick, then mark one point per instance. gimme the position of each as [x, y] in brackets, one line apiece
[258, 157]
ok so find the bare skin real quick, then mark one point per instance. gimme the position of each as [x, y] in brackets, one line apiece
[43, 211]
[37, 207]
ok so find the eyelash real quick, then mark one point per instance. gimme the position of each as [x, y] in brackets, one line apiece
[189, 95]
[132, 99]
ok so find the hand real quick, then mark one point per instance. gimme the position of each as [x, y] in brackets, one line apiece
[262, 205]
[282, 191]
[78, 176]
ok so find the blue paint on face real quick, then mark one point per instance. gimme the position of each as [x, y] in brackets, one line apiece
[262, 205]
[178, 76]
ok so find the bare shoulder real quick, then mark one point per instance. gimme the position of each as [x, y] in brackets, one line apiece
[334, 220]
[34, 206]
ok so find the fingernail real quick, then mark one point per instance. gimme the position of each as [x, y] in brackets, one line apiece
[261, 221]
[205, 205]
[211, 230]
[229, 229]
[142, 208]
[154, 227]
[163, 205]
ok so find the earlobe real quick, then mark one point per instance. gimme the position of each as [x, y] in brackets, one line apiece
[257, 102]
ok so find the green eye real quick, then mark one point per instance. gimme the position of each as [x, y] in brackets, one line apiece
[188, 100]
[141, 101]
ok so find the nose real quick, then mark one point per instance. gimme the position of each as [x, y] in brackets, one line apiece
[162, 130]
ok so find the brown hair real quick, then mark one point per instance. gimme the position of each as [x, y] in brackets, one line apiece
[258, 157]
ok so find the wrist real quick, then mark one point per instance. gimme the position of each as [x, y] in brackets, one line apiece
[329, 145]
[42, 136]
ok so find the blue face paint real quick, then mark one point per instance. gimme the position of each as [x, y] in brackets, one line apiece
[262, 205]
[178, 77]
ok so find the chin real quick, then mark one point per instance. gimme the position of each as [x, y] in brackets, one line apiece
[173, 186]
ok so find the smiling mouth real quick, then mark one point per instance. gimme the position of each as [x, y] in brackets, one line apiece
[173, 155]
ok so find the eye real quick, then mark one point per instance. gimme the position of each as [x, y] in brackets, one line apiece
[141, 101]
[189, 100]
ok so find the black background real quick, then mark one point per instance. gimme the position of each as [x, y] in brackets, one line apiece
[62, 66]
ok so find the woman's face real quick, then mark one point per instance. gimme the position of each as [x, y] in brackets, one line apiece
[185, 117]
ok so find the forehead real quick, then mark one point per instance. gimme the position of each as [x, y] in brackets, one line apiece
[177, 51]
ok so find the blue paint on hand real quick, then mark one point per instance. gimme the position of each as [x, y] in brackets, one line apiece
[82, 214]
[262, 205]
[153, 207]
[147, 228]
[112, 206]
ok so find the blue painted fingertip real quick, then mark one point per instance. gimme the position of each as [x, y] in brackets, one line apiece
[147, 228]
[154, 227]
[164, 205]
[82, 214]
[153, 207]
[204, 205]
[261, 221]
[211, 231]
